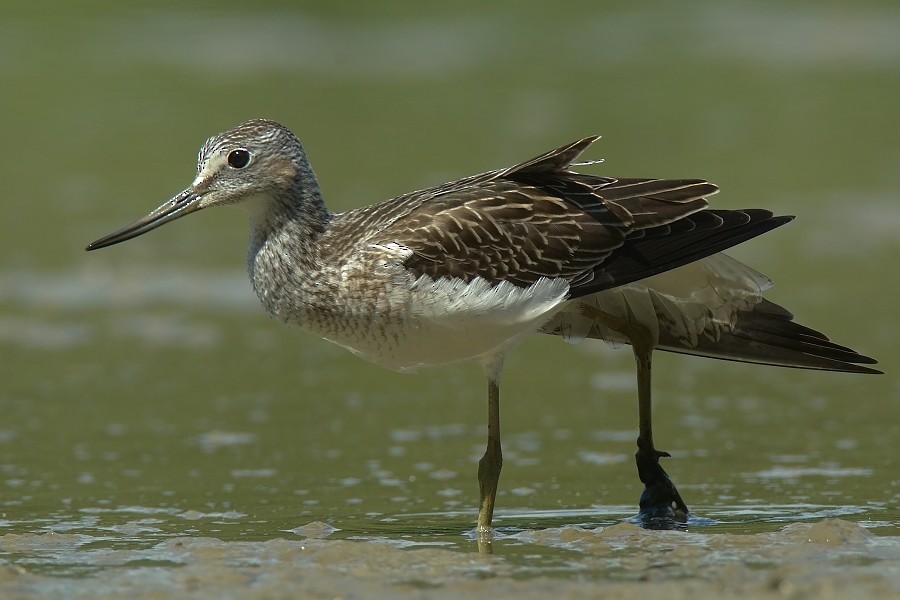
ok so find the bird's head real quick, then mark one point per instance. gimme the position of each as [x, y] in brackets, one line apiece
[246, 166]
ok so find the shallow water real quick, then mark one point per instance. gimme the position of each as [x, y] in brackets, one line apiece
[828, 559]
[160, 436]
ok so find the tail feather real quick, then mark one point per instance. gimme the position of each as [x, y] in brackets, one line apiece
[768, 335]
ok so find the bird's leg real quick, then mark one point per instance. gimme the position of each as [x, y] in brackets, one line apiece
[490, 464]
[660, 499]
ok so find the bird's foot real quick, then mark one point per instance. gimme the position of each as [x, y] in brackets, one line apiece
[661, 504]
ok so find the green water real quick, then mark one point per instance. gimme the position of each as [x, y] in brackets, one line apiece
[145, 394]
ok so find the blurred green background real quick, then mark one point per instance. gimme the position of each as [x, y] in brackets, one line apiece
[144, 392]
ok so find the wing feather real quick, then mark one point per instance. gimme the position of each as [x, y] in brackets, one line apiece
[536, 219]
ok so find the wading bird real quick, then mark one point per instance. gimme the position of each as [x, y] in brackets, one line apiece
[464, 271]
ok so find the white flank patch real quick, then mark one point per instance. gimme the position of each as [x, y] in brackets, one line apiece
[503, 304]
[466, 321]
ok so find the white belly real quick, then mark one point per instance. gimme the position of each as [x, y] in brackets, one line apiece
[447, 320]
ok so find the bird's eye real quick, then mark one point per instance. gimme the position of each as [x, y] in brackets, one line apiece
[239, 158]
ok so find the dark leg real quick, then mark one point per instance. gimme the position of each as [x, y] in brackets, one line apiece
[660, 502]
[660, 499]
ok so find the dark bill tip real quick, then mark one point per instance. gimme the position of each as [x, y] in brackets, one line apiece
[183, 204]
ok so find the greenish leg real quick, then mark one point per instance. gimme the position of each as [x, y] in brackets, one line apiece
[490, 464]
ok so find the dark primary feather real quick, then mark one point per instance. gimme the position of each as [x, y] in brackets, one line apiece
[652, 251]
[768, 335]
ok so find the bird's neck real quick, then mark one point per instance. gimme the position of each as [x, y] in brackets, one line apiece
[297, 221]
[283, 259]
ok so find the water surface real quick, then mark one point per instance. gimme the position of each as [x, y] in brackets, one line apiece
[158, 433]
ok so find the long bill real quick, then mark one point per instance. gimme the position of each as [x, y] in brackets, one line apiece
[183, 204]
